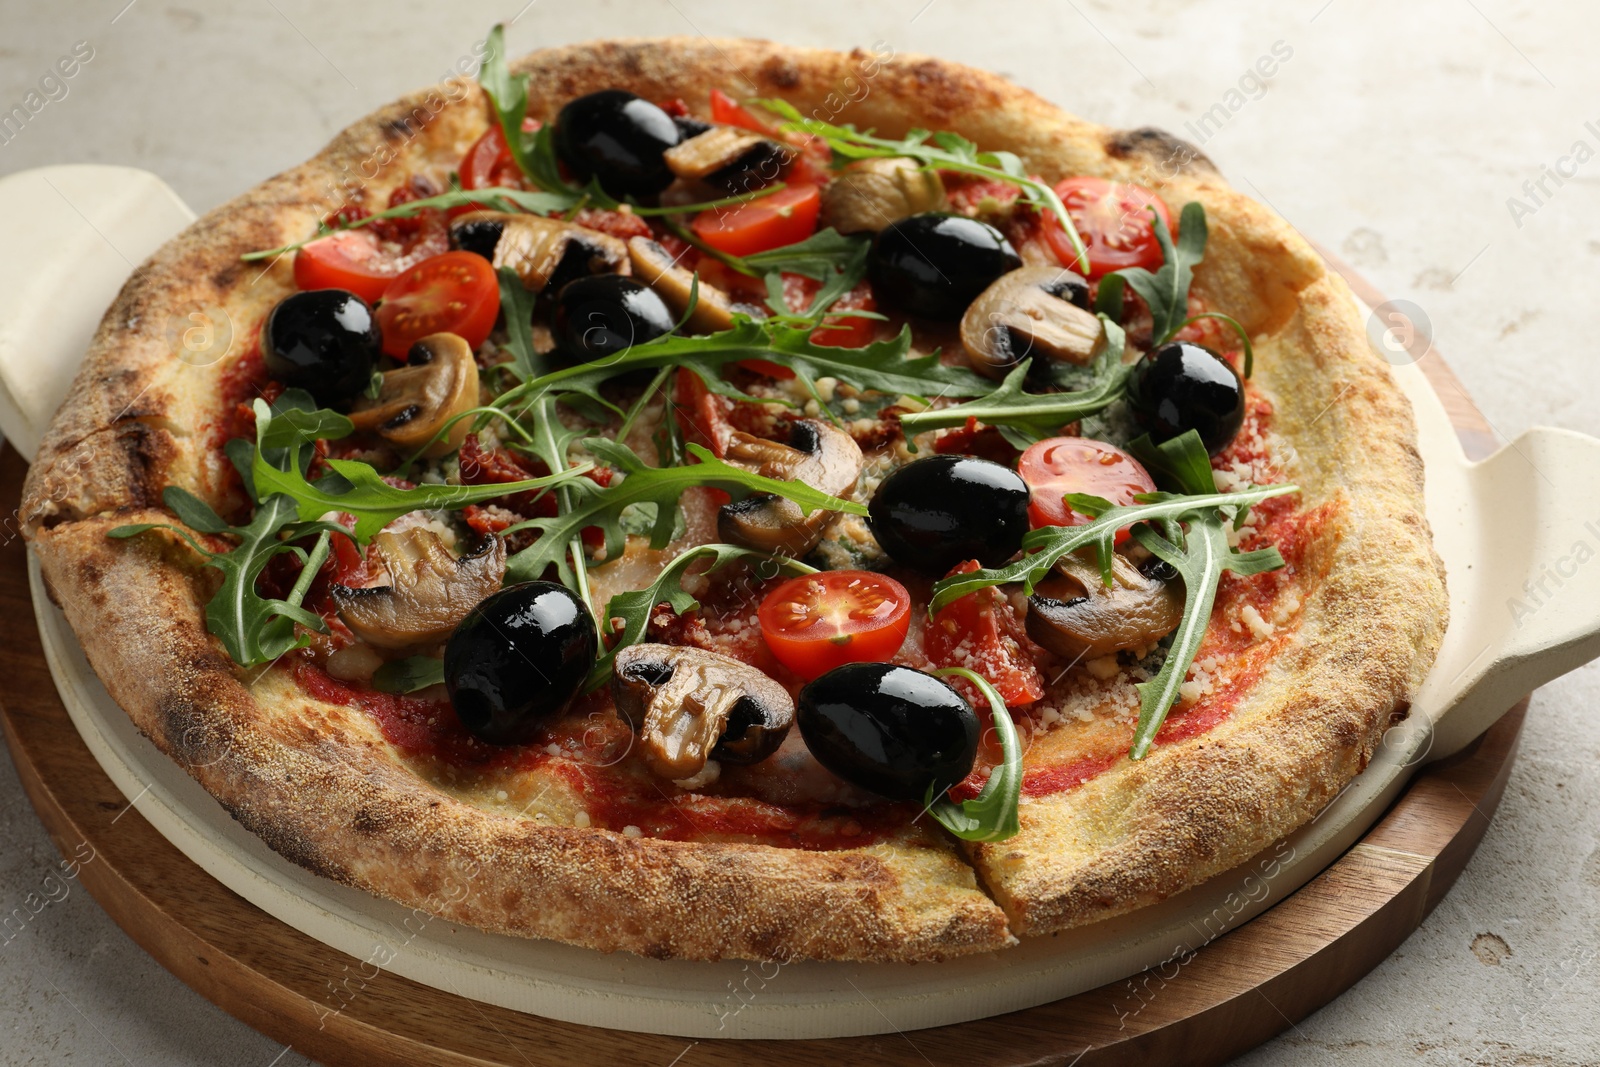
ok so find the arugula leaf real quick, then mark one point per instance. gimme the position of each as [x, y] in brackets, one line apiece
[817, 257]
[533, 152]
[1166, 292]
[661, 487]
[635, 607]
[1200, 554]
[1200, 563]
[1181, 461]
[499, 198]
[881, 366]
[1048, 544]
[992, 814]
[354, 487]
[516, 304]
[943, 150]
[1022, 417]
[408, 675]
[253, 628]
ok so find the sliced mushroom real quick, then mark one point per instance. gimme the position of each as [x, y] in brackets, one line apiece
[818, 454]
[429, 592]
[545, 253]
[870, 194]
[713, 309]
[727, 158]
[689, 705]
[438, 382]
[1028, 313]
[1074, 614]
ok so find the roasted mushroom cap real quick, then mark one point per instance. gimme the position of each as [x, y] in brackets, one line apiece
[713, 309]
[438, 382]
[689, 705]
[1074, 614]
[822, 456]
[727, 158]
[429, 592]
[870, 194]
[1031, 312]
[545, 253]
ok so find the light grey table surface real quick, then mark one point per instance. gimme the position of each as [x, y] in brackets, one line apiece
[1400, 135]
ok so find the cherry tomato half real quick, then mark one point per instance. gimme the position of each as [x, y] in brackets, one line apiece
[1113, 218]
[825, 620]
[488, 163]
[356, 260]
[1060, 465]
[729, 112]
[784, 218]
[455, 292]
[980, 631]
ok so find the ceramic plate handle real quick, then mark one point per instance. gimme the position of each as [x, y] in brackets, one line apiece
[75, 232]
[1527, 610]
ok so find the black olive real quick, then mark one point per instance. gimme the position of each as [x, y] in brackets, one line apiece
[1070, 286]
[324, 341]
[518, 659]
[936, 512]
[757, 168]
[934, 265]
[1183, 386]
[618, 139]
[604, 314]
[478, 236]
[689, 127]
[890, 729]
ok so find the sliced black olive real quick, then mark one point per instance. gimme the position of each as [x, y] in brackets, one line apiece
[324, 341]
[890, 729]
[601, 315]
[934, 265]
[936, 512]
[518, 659]
[618, 139]
[478, 235]
[1183, 386]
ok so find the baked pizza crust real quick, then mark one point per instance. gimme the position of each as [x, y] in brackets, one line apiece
[320, 785]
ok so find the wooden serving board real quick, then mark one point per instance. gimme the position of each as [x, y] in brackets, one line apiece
[1230, 995]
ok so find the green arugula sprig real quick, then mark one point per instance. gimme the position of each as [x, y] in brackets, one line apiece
[284, 441]
[1166, 291]
[634, 607]
[1024, 418]
[408, 675]
[656, 487]
[880, 366]
[942, 150]
[992, 814]
[497, 199]
[1189, 530]
[533, 151]
[253, 628]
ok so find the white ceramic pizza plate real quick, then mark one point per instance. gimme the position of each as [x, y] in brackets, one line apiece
[1525, 608]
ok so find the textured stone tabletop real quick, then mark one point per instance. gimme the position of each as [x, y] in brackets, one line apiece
[1447, 149]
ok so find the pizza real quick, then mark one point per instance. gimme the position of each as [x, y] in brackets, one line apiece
[874, 517]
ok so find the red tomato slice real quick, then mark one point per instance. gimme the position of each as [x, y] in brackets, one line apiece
[455, 292]
[849, 331]
[981, 632]
[351, 259]
[1113, 218]
[488, 163]
[784, 218]
[728, 111]
[822, 621]
[1057, 466]
[702, 415]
